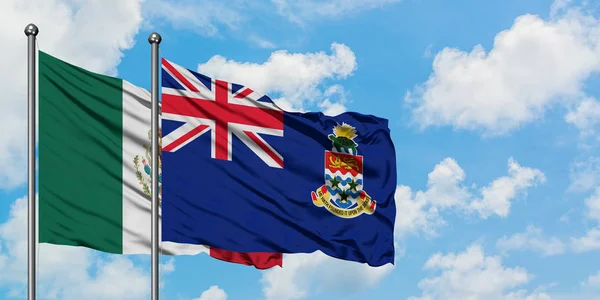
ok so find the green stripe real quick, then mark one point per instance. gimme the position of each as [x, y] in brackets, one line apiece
[80, 149]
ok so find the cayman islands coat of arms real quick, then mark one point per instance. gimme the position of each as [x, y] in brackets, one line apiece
[343, 194]
[145, 174]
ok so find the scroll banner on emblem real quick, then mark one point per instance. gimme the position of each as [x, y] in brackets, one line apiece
[365, 204]
[342, 194]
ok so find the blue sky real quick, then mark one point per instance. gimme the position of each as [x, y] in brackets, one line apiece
[493, 109]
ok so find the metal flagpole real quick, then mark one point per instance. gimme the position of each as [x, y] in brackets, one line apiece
[154, 39]
[31, 32]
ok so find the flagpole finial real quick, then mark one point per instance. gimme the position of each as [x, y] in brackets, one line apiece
[154, 38]
[31, 29]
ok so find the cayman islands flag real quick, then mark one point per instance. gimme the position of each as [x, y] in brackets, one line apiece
[241, 174]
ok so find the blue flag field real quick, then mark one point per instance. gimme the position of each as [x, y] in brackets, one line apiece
[241, 174]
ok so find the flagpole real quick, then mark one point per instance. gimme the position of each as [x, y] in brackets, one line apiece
[31, 32]
[154, 39]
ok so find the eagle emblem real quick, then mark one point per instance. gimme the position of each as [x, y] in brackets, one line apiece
[145, 174]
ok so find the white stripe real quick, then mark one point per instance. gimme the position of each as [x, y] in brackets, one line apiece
[229, 141]
[184, 130]
[188, 94]
[189, 124]
[238, 130]
[191, 79]
[256, 148]
[193, 123]
[171, 248]
[186, 119]
[136, 205]
[173, 76]
[257, 129]
[250, 100]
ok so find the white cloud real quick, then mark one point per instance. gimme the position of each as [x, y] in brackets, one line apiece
[415, 213]
[427, 53]
[210, 18]
[91, 34]
[302, 11]
[65, 272]
[213, 293]
[589, 242]
[593, 282]
[585, 175]
[532, 66]
[287, 105]
[524, 295]
[331, 108]
[420, 211]
[168, 267]
[592, 204]
[335, 102]
[585, 116]
[296, 279]
[472, 275]
[201, 16]
[296, 77]
[443, 185]
[496, 197]
[532, 239]
[559, 6]
[164, 269]
[261, 42]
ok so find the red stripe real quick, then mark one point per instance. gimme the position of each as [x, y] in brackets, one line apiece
[221, 128]
[221, 140]
[260, 260]
[244, 93]
[178, 76]
[184, 138]
[213, 110]
[265, 148]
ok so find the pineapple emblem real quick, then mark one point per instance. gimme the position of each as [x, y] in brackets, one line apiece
[343, 139]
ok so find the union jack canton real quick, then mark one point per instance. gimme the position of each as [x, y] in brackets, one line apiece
[204, 104]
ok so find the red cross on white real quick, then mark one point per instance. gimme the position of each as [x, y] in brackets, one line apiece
[221, 112]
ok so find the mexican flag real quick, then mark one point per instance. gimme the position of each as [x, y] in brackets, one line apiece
[94, 166]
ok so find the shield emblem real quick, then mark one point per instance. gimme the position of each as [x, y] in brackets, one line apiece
[343, 194]
[344, 179]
